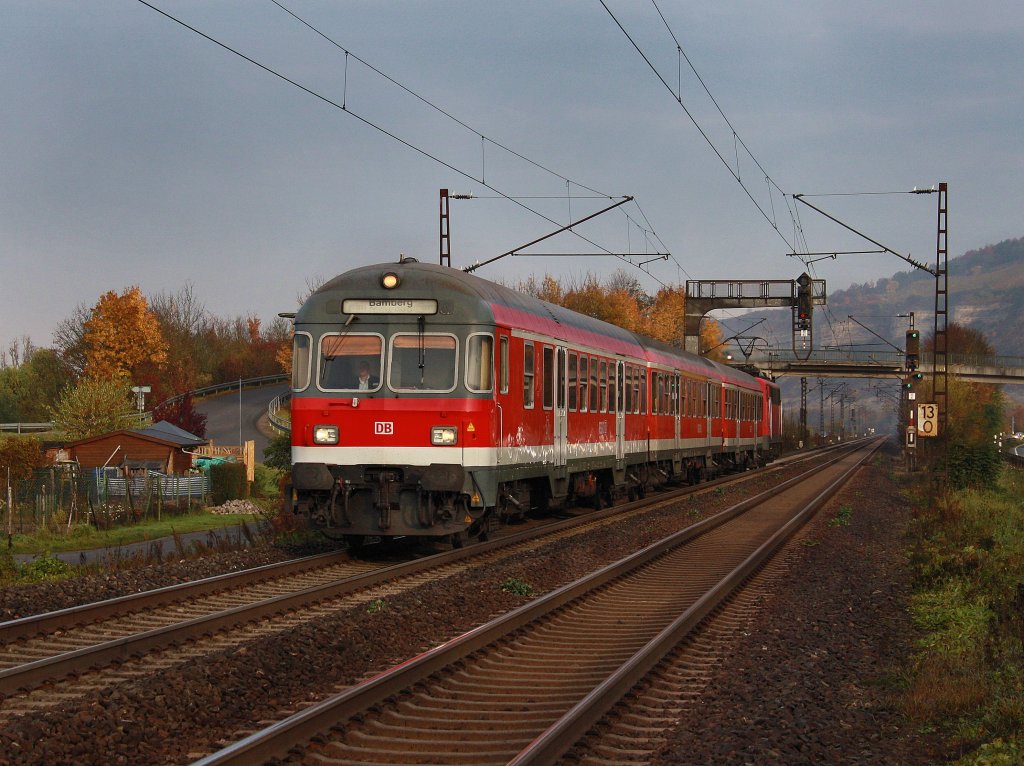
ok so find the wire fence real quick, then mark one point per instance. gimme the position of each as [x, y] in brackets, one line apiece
[1014, 460]
[58, 498]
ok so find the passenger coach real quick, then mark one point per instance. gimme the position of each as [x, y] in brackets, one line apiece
[427, 401]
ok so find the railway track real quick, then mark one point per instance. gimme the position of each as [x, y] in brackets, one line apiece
[101, 644]
[508, 692]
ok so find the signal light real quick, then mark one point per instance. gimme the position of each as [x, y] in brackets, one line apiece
[913, 349]
[804, 301]
[912, 380]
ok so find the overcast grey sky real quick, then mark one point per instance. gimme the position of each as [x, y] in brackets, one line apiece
[135, 152]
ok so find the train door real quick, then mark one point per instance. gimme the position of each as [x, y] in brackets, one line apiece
[561, 414]
[502, 378]
[675, 409]
[707, 412]
[620, 415]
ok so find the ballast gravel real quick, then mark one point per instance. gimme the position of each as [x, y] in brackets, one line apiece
[813, 682]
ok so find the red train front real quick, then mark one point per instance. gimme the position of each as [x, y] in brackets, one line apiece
[427, 401]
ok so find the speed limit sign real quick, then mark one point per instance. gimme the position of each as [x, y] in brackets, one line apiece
[927, 420]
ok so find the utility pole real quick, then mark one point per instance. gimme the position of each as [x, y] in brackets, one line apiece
[940, 370]
[803, 412]
[821, 410]
[446, 242]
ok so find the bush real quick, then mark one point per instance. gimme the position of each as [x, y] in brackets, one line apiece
[278, 452]
[45, 569]
[227, 482]
[20, 455]
[267, 482]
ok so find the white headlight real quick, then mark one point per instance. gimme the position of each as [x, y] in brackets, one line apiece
[325, 434]
[444, 436]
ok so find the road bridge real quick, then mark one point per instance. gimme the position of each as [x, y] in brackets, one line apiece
[830, 363]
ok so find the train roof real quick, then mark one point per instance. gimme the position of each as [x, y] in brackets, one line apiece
[467, 298]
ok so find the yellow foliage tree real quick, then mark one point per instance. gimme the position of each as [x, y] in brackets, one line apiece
[711, 340]
[622, 303]
[664, 319]
[123, 338]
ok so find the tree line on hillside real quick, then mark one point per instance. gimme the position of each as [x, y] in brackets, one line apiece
[171, 343]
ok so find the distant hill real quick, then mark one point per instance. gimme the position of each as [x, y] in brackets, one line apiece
[986, 293]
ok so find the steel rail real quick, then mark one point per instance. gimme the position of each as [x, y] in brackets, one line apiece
[61, 619]
[561, 735]
[33, 674]
[279, 738]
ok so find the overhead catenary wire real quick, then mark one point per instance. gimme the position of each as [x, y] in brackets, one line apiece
[737, 141]
[346, 108]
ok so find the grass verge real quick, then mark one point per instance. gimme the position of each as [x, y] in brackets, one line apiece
[86, 537]
[967, 679]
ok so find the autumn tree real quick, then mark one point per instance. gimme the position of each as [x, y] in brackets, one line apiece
[974, 414]
[711, 341]
[627, 282]
[284, 358]
[69, 339]
[123, 339]
[615, 305]
[183, 323]
[663, 320]
[548, 289]
[19, 457]
[622, 302]
[95, 406]
[181, 411]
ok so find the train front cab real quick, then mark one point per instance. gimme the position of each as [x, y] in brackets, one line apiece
[411, 454]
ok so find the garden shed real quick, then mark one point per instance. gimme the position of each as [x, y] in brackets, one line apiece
[161, 447]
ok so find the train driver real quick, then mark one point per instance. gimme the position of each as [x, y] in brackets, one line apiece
[366, 383]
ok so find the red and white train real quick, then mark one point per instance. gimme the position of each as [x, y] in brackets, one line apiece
[427, 401]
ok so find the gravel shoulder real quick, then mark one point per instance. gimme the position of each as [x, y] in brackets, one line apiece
[816, 680]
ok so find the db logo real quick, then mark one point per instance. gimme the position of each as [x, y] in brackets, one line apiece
[382, 428]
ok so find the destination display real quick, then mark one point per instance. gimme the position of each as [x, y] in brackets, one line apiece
[389, 306]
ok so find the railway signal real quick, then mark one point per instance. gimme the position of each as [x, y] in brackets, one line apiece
[910, 382]
[913, 349]
[804, 301]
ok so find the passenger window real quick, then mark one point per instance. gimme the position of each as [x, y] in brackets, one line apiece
[479, 361]
[528, 375]
[503, 372]
[300, 361]
[548, 378]
[573, 381]
[584, 382]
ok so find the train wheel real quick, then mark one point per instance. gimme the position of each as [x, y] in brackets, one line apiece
[457, 539]
[355, 542]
